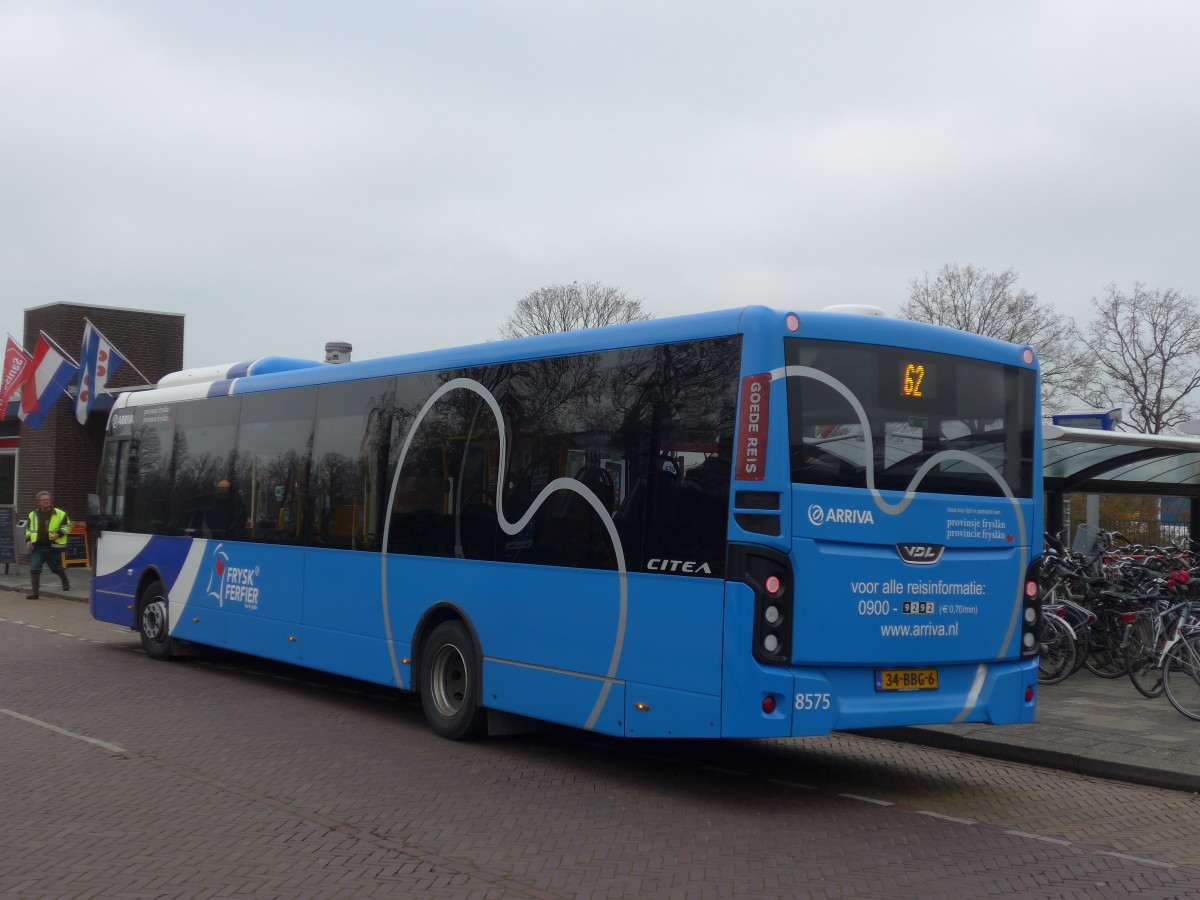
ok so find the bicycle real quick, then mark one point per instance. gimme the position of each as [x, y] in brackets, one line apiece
[1057, 649]
[1181, 675]
[1105, 656]
[1149, 637]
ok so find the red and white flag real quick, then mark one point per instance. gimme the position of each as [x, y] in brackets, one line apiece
[49, 374]
[16, 372]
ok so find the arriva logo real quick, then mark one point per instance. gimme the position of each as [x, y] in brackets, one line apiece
[231, 583]
[819, 515]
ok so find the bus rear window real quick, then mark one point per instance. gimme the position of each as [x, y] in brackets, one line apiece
[864, 415]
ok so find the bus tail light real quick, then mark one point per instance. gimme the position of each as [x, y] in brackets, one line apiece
[1031, 617]
[769, 575]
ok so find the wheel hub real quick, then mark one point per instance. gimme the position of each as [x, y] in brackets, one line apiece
[154, 620]
[449, 681]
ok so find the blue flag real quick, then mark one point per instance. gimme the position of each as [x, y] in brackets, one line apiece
[98, 359]
[52, 372]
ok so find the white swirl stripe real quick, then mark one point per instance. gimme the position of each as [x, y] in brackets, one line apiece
[910, 493]
[513, 528]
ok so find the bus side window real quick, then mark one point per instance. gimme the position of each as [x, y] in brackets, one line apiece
[275, 439]
[353, 455]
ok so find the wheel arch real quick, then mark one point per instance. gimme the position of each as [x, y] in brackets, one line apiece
[440, 612]
[149, 575]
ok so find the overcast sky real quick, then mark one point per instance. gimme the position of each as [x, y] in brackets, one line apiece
[399, 174]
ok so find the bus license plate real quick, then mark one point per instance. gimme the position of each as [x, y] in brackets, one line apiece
[906, 680]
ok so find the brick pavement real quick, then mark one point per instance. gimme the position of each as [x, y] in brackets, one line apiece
[306, 790]
[1088, 725]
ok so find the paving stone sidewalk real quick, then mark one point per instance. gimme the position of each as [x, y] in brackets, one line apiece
[1093, 726]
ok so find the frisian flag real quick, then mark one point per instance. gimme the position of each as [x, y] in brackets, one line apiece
[98, 359]
[16, 372]
[50, 372]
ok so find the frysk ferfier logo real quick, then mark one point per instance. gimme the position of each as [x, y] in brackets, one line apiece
[232, 584]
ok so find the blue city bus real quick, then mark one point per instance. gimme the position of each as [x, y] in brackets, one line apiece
[748, 523]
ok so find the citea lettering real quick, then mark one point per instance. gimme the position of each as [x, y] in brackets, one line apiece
[686, 566]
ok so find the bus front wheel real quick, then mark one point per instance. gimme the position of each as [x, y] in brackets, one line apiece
[450, 683]
[154, 622]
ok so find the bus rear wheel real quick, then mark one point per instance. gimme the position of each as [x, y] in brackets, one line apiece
[154, 623]
[450, 683]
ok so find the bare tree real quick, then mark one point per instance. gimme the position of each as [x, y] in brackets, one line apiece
[568, 307]
[1143, 357]
[991, 304]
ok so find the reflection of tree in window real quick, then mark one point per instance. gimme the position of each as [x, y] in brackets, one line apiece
[611, 420]
[971, 406]
[445, 493]
[275, 441]
[691, 428]
[355, 447]
[150, 476]
[334, 481]
[203, 465]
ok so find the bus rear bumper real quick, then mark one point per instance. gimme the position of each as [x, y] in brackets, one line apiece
[996, 693]
[844, 699]
[809, 701]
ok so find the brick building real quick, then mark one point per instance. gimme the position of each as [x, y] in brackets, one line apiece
[62, 456]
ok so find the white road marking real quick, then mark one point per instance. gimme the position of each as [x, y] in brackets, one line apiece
[793, 784]
[104, 745]
[1038, 837]
[867, 799]
[1138, 859]
[937, 815]
[68, 634]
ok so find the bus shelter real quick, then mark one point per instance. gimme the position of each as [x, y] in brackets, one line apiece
[1090, 461]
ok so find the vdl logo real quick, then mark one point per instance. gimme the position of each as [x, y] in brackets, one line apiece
[920, 554]
[819, 515]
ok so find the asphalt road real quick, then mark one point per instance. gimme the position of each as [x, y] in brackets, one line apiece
[223, 776]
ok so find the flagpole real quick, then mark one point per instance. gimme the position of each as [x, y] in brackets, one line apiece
[128, 361]
[67, 356]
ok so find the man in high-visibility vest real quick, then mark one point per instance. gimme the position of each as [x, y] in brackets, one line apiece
[46, 539]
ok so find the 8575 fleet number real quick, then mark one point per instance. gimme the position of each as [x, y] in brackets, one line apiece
[812, 702]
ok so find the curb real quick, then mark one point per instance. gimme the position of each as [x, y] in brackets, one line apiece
[58, 594]
[1022, 751]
